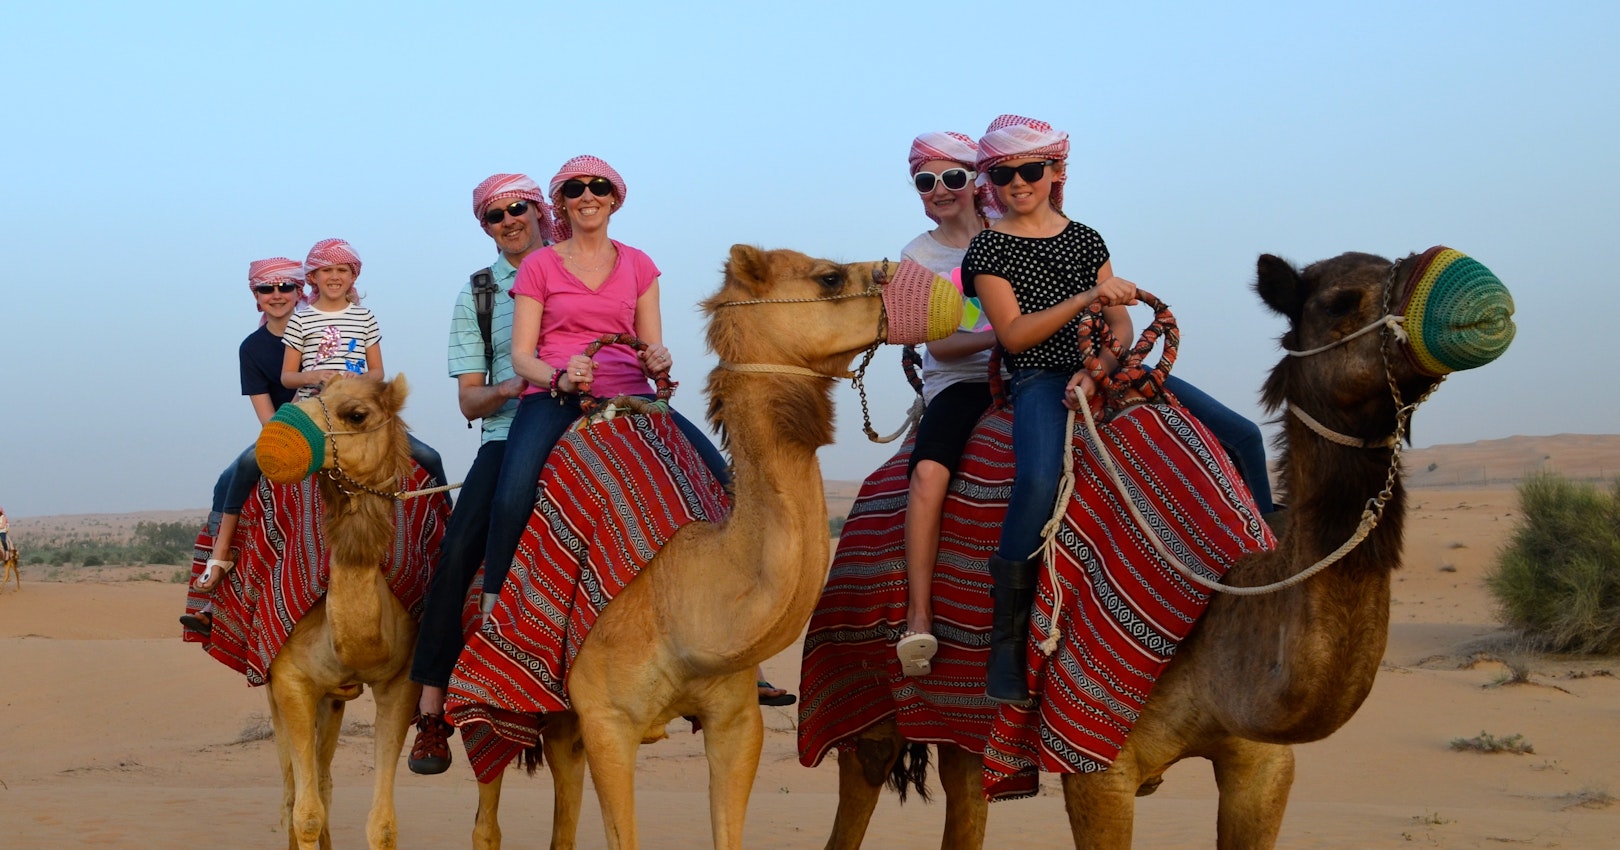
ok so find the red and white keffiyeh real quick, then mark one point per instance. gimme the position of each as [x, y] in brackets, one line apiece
[956, 147]
[1014, 137]
[331, 252]
[275, 270]
[581, 166]
[501, 186]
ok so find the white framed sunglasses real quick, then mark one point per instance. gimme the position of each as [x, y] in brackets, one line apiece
[953, 178]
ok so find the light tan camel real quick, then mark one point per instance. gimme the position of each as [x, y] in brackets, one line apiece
[1260, 672]
[684, 638]
[12, 559]
[359, 633]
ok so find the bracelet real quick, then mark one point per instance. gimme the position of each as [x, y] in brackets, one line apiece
[556, 376]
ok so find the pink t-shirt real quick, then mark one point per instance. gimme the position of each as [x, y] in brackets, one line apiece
[574, 316]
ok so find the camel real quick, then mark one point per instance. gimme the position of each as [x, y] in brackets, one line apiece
[359, 634]
[12, 559]
[1260, 672]
[684, 638]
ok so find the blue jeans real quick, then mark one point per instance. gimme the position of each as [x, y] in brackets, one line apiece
[245, 474]
[438, 644]
[1040, 449]
[540, 422]
[1240, 437]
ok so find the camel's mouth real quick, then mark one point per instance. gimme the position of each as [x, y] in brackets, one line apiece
[1457, 314]
[291, 447]
[921, 306]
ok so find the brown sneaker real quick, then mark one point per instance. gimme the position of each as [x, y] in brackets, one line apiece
[430, 752]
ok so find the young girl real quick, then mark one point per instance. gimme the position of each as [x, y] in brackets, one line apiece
[956, 385]
[1034, 271]
[277, 284]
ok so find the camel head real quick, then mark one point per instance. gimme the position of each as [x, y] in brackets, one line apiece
[353, 425]
[1421, 318]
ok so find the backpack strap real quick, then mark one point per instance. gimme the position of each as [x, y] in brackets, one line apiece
[483, 291]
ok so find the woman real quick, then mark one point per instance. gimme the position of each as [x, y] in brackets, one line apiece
[565, 297]
[955, 375]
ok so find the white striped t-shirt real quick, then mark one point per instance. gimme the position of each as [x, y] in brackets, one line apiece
[334, 342]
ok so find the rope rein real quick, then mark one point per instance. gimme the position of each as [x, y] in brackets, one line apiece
[344, 481]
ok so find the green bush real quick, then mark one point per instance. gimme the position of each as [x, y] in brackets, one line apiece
[1558, 579]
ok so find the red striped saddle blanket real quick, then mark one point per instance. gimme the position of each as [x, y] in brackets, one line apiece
[611, 495]
[1124, 608]
[284, 565]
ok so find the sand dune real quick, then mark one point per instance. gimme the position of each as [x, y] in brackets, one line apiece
[117, 735]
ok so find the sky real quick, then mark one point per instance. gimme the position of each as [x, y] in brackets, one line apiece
[150, 151]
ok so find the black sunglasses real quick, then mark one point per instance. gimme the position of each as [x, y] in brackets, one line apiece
[1001, 175]
[601, 187]
[267, 288]
[953, 178]
[496, 215]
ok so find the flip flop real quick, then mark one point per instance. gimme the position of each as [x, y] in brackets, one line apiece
[213, 574]
[778, 700]
[916, 652]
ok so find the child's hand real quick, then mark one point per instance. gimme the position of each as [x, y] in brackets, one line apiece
[1079, 388]
[1116, 291]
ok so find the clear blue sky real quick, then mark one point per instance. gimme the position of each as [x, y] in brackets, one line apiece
[151, 150]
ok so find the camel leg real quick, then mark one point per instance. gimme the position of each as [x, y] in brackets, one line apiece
[396, 703]
[487, 825]
[294, 715]
[565, 758]
[1254, 780]
[328, 730]
[611, 740]
[1101, 807]
[733, 732]
[961, 772]
[861, 772]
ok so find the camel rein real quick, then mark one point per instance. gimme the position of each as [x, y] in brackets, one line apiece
[1372, 513]
[343, 480]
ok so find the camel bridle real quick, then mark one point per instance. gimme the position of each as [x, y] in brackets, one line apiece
[344, 481]
[874, 289]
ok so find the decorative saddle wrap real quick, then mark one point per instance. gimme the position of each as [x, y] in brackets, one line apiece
[611, 496]
[284, 566]
[1124, 609]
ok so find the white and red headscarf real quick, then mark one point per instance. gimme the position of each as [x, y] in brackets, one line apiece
[1015, 137]
[502, 186]
[331, 252]
[581, 166]
[956, 147]
[277, 270]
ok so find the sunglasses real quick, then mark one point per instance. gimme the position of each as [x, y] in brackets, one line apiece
[267, 288]
[1001, 175]
[953, 178]
[601, 187]
[496, 215]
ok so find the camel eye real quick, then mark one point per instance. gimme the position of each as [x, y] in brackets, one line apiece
[355, 417]
[1342, 304]
[831, 280]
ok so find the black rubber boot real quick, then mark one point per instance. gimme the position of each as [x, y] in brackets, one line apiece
[1013, 594]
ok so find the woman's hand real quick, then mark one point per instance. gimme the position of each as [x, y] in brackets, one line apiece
[655, 358]
[1115, 292]
[577, 374]
[1079, 387]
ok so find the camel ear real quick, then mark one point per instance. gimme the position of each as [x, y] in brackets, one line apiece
[748, 267]
[394, 393]
[1278, 284]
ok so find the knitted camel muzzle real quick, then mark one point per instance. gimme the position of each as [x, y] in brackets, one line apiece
[291, 447]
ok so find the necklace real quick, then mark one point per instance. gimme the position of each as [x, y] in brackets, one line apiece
[597, 266]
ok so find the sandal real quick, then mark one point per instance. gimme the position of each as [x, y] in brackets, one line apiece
[916, 652]
[430, 752]
[776, 699]
[202, 621]
[213, 574]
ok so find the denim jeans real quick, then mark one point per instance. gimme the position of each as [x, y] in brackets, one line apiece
[1040, 448]
[438, 644]
[428, 458]
[1240, 437]
[540, 422]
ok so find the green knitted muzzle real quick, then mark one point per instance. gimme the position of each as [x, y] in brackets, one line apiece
[1458, 315]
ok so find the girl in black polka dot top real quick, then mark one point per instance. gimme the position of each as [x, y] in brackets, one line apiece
[1034, 271]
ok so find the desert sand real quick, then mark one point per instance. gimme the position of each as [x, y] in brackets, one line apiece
[116, 734]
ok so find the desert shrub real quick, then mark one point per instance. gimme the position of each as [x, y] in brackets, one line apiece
[835, 526]
[1558, 578]
[1485, 742]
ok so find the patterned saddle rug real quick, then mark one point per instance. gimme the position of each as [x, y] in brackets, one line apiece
[1123, 608]
[611, 495]
[284, 565]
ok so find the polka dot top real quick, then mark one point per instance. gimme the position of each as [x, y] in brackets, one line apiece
[1043, 272]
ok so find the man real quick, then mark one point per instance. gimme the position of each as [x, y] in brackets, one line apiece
[511, 209]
